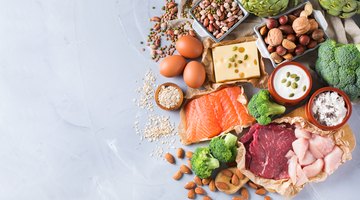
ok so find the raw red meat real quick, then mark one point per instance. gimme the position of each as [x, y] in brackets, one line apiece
[266, 147]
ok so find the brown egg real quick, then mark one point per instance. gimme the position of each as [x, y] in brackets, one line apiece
[189, 47]
[172, 66]
[194, 74]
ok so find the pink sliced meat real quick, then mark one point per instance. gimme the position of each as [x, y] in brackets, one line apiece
[301, 133]
[314, 169]
[320, 146]
[333, 160]
[292, 168]
[308, 159]
[300, 146]
[300, 176]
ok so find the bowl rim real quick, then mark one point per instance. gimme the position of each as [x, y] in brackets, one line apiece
[282, 99]
[312, 119]
[166, 85]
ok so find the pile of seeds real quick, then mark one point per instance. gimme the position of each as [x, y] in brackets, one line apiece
[169, 96]
[161, 29]
[146, 92]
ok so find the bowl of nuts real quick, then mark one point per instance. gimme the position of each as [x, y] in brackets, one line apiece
[217, 18]
[291, 35]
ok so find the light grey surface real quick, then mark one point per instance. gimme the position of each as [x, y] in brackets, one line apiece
[68, 74]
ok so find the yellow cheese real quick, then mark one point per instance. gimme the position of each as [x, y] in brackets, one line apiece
[236, 62]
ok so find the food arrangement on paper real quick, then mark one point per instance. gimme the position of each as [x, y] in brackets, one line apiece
[260, 141]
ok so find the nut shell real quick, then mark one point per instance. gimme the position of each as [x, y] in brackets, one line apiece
[301, 25]
[274, 37]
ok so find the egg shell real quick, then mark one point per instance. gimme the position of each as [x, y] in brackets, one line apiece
[189, 46]
[194, 74]
[172, 66]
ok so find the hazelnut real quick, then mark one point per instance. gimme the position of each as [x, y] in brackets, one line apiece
[276, 58]
[301, 25]
[287, 29]
[280, 50]
[320, 40]
[317, 34]
[283, 19]
[272, 23]
[313, 25]
[299, 49]
[292, 18]
[297, 12]
[312, 44]
[304, 40]
[271, 49]
[263, 30]
[291, 37]
[275, 37]
[291, 50]
[288, 56]
[287, 44]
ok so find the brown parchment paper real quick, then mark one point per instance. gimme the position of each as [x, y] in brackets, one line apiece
[195, 93]
[285, 186]
[207, 60]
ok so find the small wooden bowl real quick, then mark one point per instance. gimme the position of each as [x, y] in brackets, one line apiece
[308, 109]
[177, 106]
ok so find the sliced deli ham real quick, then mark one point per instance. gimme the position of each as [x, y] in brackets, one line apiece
[333, 160]
[314, 169]
[320, 146]
[300, 146]
[308, 159]
[301, 133]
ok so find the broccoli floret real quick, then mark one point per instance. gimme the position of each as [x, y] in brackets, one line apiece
[330, 72]
[263, 109]
[352, 91]
[346, 75]
[203, 163]
[347, 55]
[326, 50]
[224, 147]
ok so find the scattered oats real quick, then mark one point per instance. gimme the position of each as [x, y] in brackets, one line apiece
[169, 96]
[146, 92]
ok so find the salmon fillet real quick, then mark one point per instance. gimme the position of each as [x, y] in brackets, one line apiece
[214, 113]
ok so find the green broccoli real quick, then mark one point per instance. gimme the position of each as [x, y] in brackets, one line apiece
[339, 66]
[224, 147]
[203, 163]
[263, 109]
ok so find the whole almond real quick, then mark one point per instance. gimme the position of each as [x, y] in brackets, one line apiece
[189, 163]
[222, 185]
[177, 175]
[206, 198]
[235, 180]
[267, 198]
[206, 181]
[227, 173]
[185, 169]
[238, 198]
[180, 153]
[287, 44]
[239, 174]
[170, 158]
[212, 186]
[244, 193]
[189, 154]
[260, 191]
[253, 185]
[190, 185]
[200, 190]
[198, 181]
[191, 194]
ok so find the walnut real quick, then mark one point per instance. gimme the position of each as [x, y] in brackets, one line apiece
[274, 37]
[301, 25]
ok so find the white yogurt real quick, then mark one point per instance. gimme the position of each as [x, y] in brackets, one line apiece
[281, 87]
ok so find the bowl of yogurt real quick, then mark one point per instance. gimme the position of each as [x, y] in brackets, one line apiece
[290, 83]
[329, 108]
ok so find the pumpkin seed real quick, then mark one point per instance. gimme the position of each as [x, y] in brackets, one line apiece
[304, 88]
[229, 65]
[234, 48]
[288, 84]
[283, 81]
[291, 94]
[294, 85]
[232, 59]
[240, 61]
[297, 78]
[287, 74]
[293, 75]
[246, 57]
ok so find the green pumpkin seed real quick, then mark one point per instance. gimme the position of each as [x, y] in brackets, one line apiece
[287, 74]
[234, 48]
[293, 75]
[288, 84]
[291, 94]
[283, 81]
[246, 57]
[297, 78]
[232, 59]
[235, 55]
[229, 66]
[240, 61]
[294, 85]
[304, 88]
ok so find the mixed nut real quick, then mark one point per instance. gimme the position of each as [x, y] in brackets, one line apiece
[218, 16]
[291, 35]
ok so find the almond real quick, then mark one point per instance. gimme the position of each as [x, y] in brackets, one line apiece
[212, 186]
[245, 193]
[267, 198]
[288, 56]
[239, 174]
[198, 181]
[260, 191]
[238, 198]
[200, 190]
[206, 198]
[189, 154]
[253, 185]
[190, 185]
[287, 44]
[227, 173]
[185, 169]
[170, 158]
[191, 194]
[180, 153]
[222, 185]
[189, 163]
[206, 181]
[177, 175]
[235, 180]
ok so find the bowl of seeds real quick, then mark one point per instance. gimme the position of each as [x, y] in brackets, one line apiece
[169, 96]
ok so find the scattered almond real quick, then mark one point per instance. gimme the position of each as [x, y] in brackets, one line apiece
[189, 154]
[206, 198]
[239, 174]
[200, 190]
[180, 153]
[190, 185]
[177, 175]
[227, 172]
[238, 198]
[206, 181]
[212, 186]
[191, 194]
[222, 185]
[260, 191]
[198, 181]
[244, 193]
[185, 169]
[253, 185]
[235, 180]
[170, 158]
[267, 198]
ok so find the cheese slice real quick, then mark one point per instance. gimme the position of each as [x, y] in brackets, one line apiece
[236, 62]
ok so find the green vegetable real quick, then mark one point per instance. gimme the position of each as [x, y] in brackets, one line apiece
[224, 147]
[265, 8]
[203, 163]
[341, 8]
[263, 109]
[339, 66]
